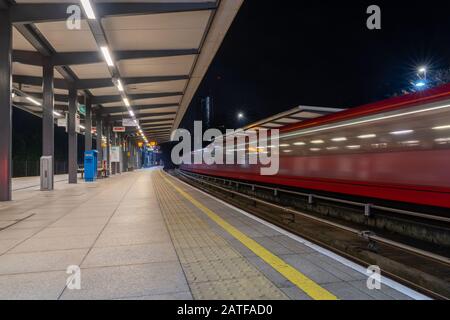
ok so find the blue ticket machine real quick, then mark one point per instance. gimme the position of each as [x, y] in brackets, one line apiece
[90, 165]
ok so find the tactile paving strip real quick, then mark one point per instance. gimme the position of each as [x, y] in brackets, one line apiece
[214, 269]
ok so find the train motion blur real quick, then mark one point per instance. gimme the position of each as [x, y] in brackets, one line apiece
[395, 150]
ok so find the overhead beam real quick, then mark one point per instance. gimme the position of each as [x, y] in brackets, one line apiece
[118, 98]
[139, 108]
[37, 81]
[26, 13]
[75, 58]
[107, 82]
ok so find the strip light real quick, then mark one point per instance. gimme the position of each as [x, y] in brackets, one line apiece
[127, 102]
[34, 101]
[57, 114]
[107, 56]
[119, 85]
[88, 9]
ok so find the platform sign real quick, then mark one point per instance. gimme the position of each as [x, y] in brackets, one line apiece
[115, 154]
[119, 129]
[128, 122]
[62, 122]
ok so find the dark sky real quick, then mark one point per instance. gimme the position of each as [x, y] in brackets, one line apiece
[280, 54]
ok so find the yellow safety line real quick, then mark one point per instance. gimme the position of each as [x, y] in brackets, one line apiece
[305, 284]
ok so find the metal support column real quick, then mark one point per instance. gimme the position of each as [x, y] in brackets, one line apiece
[88, 125]
[114, 143]
[5, 105]
[108, 148]
[73, 144]
[48, 120]
[99, 125]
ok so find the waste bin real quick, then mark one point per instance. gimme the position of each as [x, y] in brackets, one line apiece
[90, 165]
[46, 173]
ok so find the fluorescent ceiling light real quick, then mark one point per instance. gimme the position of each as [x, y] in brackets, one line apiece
[284, 145]
[107, 56]
[317, 141]
[315, 149]
[33, 101]
[402, 132]
[82, 127]
[131, 113]
[339, 139]
[442, 127]
[88, 9]
[299, 144]
[353, 147]
[332, 148]
[57, 114]
[119, 85]
[367, 136]
[127, 102]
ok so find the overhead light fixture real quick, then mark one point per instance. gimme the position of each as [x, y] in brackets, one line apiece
[332, 148]
[299, 144]
[317, 141]
[57, 114]
[287, 151]
[127, 102]
[285, 145]
[82, 127]
[34, 101]
[88, 9]
[340, 139]
[367, 136]
[353, 147]
[315, 149]
[402, 132]
[107, 56]
[13, 95]
[442, 127]
[132, 113]
[119, 85]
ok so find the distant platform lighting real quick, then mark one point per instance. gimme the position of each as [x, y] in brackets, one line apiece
[420, 84]
[402, 132]
[240, 115]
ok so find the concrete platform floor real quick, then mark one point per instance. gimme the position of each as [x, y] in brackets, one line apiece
[135, 236]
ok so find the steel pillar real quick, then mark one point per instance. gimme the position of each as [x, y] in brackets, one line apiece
[73, 144]
[88, 125]
[5, 105]
[99, 125]
[48, 120]
[108, 147]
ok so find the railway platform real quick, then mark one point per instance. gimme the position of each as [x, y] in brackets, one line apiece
[147, 235]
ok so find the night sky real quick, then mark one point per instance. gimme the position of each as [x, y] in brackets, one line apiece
[281, 54]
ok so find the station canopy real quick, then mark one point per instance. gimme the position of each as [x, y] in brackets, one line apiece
[160, 52]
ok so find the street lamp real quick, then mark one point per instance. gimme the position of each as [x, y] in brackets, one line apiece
[240, 115]
[423, 71]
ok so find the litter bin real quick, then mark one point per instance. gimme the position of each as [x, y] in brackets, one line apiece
[90, 165]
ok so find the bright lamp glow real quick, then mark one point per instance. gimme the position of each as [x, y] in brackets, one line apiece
[57, 114]
[422, 70]
[107, 56]
[119, 85]
[88, 9]
[317, 141]
[131, 113]
[299, 144]
[442, 127]
[339, 139]
[34, 101]
[420, 84]
[127, 102]
[402, 132]
[367, 136]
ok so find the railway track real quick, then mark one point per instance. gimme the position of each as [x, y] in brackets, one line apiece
[417, 264]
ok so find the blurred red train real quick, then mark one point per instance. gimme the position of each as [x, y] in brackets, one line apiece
[395, 150]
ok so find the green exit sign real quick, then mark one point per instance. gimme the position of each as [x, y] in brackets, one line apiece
[82, 109]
